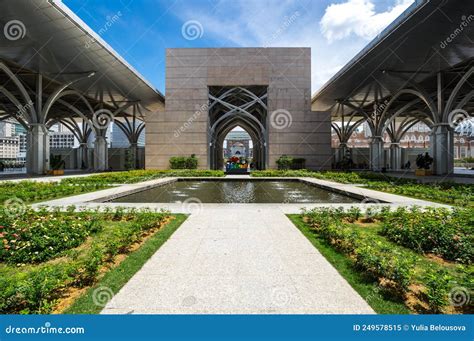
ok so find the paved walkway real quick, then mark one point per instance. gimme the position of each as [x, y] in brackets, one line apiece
[43, 178]
[236, 260]
[460, 177]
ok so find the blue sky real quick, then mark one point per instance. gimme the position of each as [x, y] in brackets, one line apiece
[141, 30]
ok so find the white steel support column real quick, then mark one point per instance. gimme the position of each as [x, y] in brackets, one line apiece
[395, 156]
[376, 153]
[37, 154]
[341, 152]
[82, 162]
[442, 149]
[101, 157]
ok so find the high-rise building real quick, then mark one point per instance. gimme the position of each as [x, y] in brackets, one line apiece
[61, 139]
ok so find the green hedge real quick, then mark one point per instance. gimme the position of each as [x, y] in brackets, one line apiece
[286, 162]
[182, 162]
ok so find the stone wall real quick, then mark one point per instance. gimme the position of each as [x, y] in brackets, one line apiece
[182, 128]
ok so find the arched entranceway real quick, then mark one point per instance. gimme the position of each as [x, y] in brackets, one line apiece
[232, 107]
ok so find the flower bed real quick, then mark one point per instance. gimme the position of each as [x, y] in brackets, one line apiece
[447, 234]
[40, 236]
[64, 251]
[239, 165]
[426, 284]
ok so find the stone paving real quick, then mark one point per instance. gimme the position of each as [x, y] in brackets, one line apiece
[235, 260]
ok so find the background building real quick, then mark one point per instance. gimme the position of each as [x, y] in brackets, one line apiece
[238, 143]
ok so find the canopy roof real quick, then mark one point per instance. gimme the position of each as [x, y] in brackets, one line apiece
[429, 37]
[62, 48]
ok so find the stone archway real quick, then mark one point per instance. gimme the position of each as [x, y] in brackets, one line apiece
[238, 106]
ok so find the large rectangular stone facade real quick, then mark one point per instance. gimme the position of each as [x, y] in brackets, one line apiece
[182, 128]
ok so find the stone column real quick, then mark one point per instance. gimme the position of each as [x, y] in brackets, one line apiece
[442, 149]
[395, 156]
[376, 153]
[37, 154]
[101, 157]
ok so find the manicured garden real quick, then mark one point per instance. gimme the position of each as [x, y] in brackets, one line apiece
[407, 259]
[27, 192]
[50, 260]
[445, 192]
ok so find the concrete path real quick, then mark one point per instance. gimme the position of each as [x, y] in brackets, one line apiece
[43, 178]
[235, 260]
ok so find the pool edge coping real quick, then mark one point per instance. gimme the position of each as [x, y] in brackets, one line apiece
[368, 197]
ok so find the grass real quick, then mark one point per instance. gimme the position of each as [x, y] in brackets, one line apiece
[117, 277]
[366, 287]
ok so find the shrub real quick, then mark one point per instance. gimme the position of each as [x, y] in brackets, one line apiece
[343, 239]
[397, 268]
[449, 234]
[35, 292]
[438, 285]
[353, 214]
[181, 162]
[382, 262]
[31, 191]
[323, 216]
[468, 160]
[41, 236]
[286, 162]
[89, 267]
[378, 259]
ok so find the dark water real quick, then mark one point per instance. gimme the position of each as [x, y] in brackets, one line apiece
[237, 192]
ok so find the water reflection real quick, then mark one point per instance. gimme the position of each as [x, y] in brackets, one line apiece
[237, 192]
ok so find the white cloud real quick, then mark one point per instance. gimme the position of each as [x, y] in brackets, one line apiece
[291, 24]
[358, 17]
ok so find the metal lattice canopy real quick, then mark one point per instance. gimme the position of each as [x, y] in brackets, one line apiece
[60, 47]
[418, 69]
